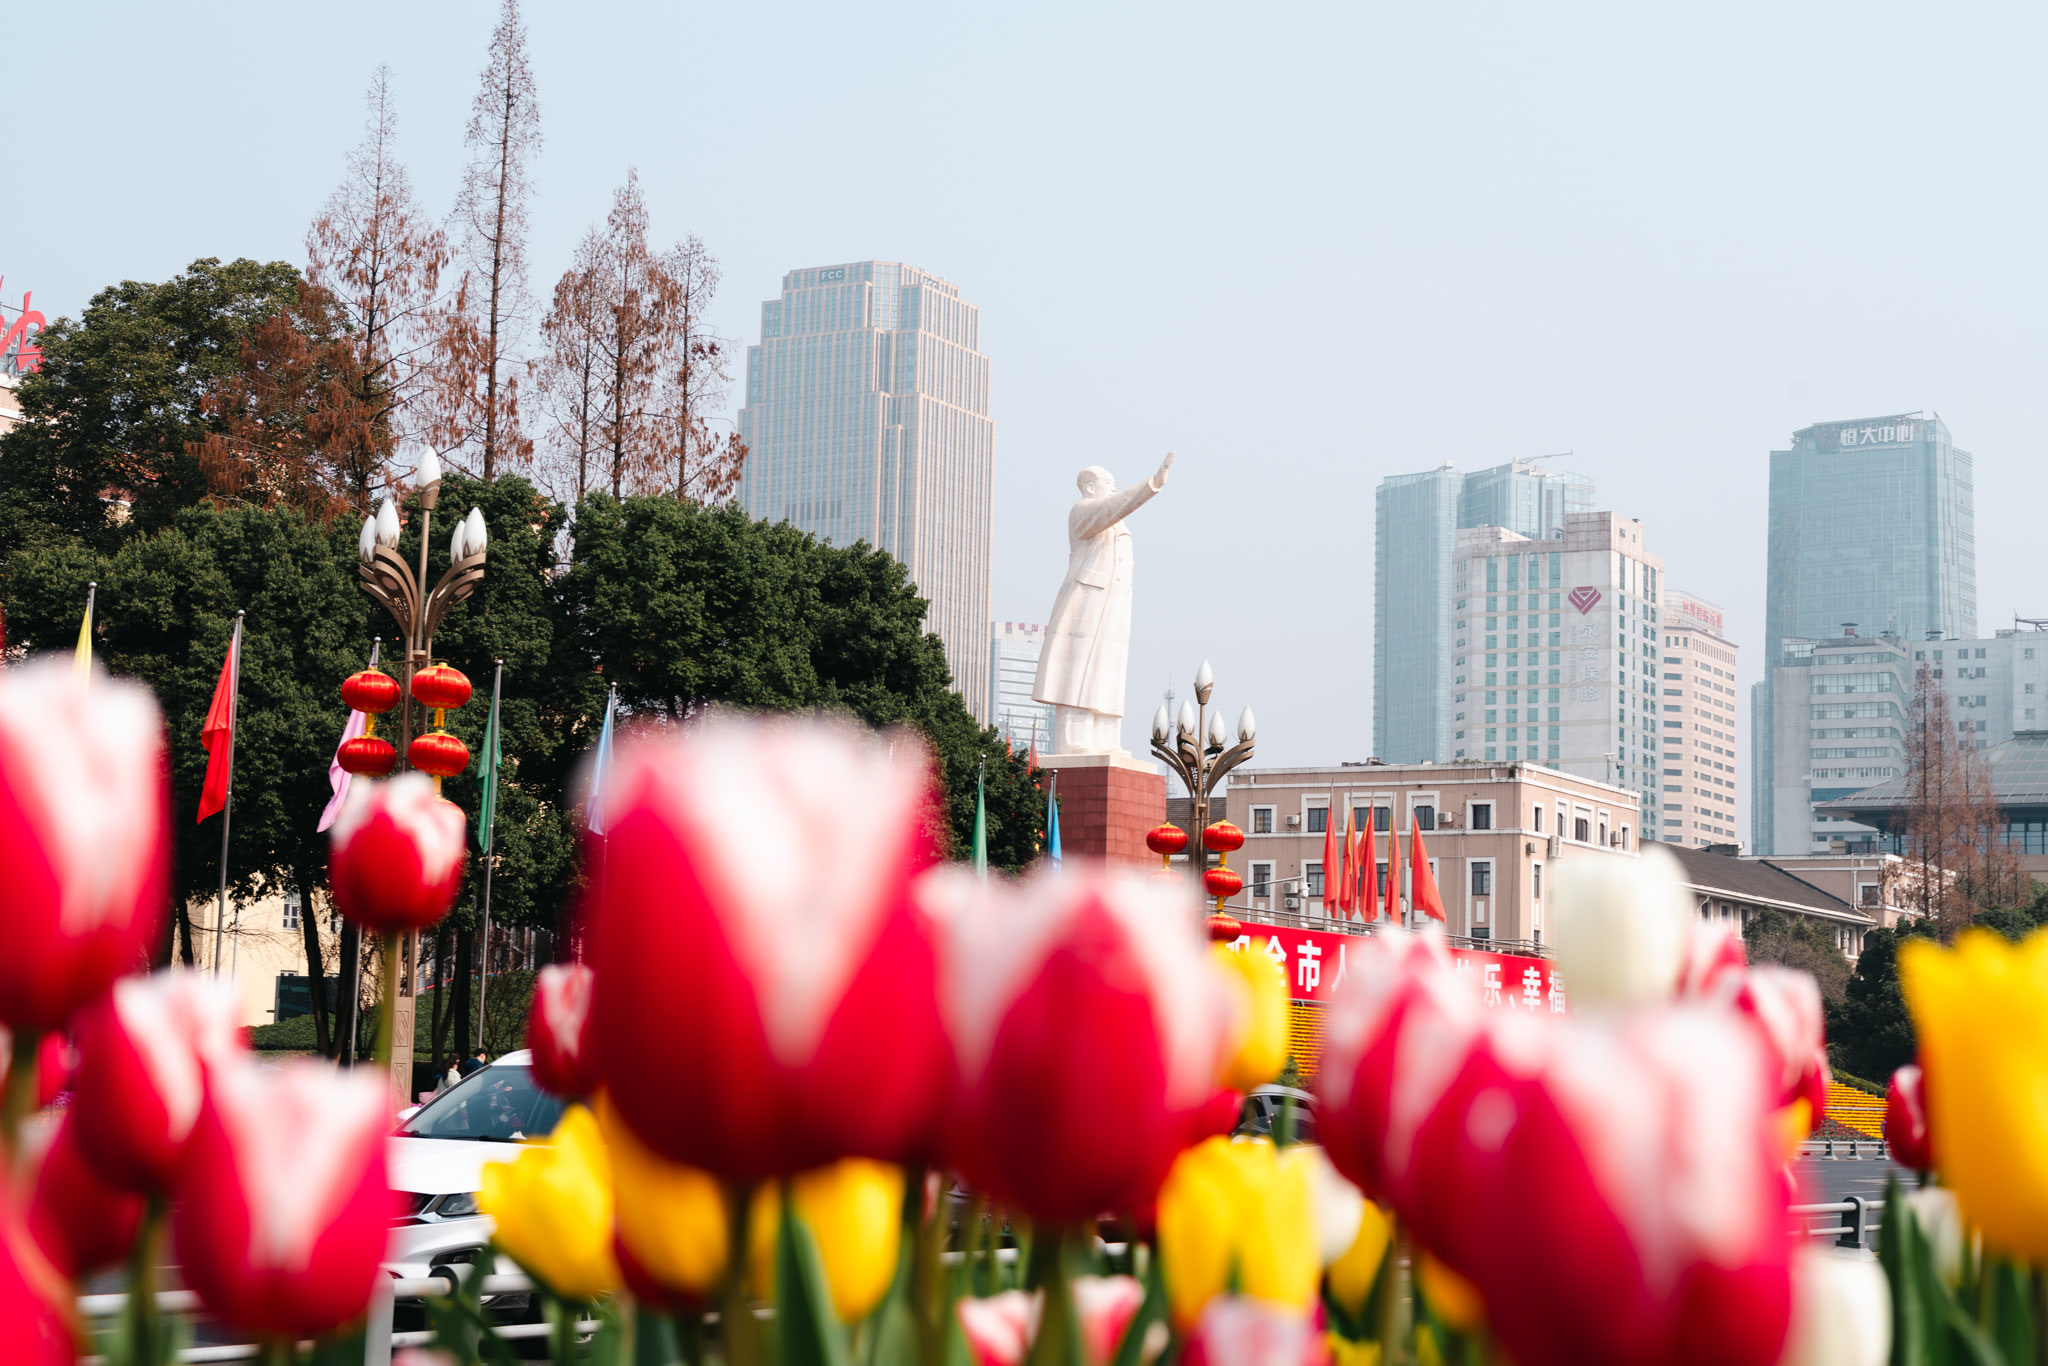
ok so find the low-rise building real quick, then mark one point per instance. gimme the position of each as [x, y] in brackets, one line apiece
[1731, 889]
[2018, 770]
[1492, 834]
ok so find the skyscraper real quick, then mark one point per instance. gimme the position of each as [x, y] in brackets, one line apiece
[1872, 529]
[1012, 668]
[867, 419]
[1701, 748]
[1417, 518]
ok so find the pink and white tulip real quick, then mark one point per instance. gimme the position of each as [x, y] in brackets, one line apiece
[1000, 1328]
[751, 922]
[558, 1029]
[144, 1051]
[1236, 1330]
[395, 855]
[83, 819]
[1610, 1184]
[1103, 1309]
[1088, 1027]
[283, 1208]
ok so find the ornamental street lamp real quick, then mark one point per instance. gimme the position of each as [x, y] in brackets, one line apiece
[1196, 746]
[401, 589]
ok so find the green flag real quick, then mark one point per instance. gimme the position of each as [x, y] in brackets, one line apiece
[980, 826]
[493, 756]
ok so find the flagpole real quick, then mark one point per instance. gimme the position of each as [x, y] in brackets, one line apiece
[490, 854]
[227, 813]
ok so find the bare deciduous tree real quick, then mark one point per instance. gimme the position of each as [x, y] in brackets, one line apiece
[571, 382]
[1953, 830]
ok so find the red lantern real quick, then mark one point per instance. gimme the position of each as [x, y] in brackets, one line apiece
[1224, 927]
[370, 756]
[440, 687]
[1166, 840]
[1222, 882]
[439, 753]
[372, 691]
[1222, 837]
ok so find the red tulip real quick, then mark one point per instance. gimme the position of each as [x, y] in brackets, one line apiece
[33, 1331]
[558, 1028]
[79, 1220]
[396, 853]
[1088, 1027]
[82, 837]
[999, 1328]
[754, 932]
[53, 1064]
[1609, 1184]
[283, 1210]
[1905, 1119]
[144, 1052]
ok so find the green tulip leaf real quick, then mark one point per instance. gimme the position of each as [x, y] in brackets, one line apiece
[807, 1331]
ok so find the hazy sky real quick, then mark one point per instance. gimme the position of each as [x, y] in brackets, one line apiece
[1305, 252]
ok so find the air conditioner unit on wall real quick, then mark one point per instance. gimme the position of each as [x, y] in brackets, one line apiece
[1293, 903]
[1446, 821]
[1293, 821]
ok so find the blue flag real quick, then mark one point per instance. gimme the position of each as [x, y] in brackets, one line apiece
[1052, 820]
[601, 769]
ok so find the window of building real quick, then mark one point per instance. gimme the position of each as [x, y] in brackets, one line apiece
[1538, 813]
[1262, 820]
[1536, 880]
[1262, 880]
[1425, 817]
[1582, 830]
[1482, 877]
[1603, 831]
[1312, 877]
[1318, 819]
[292, 903]
[1482, 815]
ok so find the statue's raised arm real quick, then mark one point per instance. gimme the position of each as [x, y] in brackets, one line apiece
[1088, 637]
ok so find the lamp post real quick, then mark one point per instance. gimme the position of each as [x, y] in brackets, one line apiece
[401, 589]
[1197, 747]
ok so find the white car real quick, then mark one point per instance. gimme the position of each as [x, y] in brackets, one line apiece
[437, 1156]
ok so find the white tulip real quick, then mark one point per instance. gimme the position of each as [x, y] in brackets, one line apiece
[366, 544]
[1841, 1311]
[1621, 925]
[387, 524]
[1339, 1205]
[1942, 1223]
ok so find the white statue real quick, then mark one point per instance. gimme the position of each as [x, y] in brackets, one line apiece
[1088, 637]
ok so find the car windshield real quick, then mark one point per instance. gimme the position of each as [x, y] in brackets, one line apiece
[499, 1103]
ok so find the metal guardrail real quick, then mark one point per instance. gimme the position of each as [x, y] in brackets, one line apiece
[1854, 1149]
[1854, 1233]
[378, 1343]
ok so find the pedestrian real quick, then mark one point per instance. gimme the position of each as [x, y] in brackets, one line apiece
[470, 1064]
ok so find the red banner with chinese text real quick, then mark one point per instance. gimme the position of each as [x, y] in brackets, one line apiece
[1316, 962]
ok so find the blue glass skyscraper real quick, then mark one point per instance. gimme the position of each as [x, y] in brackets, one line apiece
[1416, 522]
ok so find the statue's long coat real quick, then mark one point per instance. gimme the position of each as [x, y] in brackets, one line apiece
[1088, 640]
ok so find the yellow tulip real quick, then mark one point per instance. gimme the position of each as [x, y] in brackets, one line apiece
[1243, 1211]
[1981, 1010]
[1351, 1276]
[553, 1207]
[1261, 988]
[1454, 1298]
[854, 1209]
[1345, 1352]
[670, 1215]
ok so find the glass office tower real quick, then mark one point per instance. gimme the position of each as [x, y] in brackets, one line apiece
[1417, 518]
[867, 419]
[1872, 526]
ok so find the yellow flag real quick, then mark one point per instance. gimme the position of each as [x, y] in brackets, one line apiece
[82, 657]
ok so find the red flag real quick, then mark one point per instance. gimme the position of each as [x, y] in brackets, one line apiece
[1369, 892]
[218, 734]
[1426, 899]
[1393, 868]
[1347, 895]
[1331, 872]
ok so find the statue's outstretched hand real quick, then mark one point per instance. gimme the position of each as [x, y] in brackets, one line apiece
[1159, 479]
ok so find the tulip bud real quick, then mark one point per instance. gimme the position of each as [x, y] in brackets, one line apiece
[1941, 1222]
[283, 1207]
[999, 1329]
[800, 966]
[1104, 1307]
[1051, 984]
[553, 1206]
[1350, 1277]
[395, 854]
[1261, 989]
[82, 837]
[1238, 1213]
[1238, 1330]
[1622, 926]
[1905, 1119]
[1340, 1207]
[671, 1219]
[34, 1331]
[144, 1052]
[854, 1209]
[558, 1030]
[1451, 1297]
[1841, 1312]
[80, 1221]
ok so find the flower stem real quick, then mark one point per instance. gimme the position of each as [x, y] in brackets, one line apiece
[742, 1336]
[928, 1298]
[1394, 1304]
[387, 1008]
[142, 1325]
[1058, 1334]
[19, 1097]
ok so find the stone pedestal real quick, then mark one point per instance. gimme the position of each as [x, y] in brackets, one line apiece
[1107, 804]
